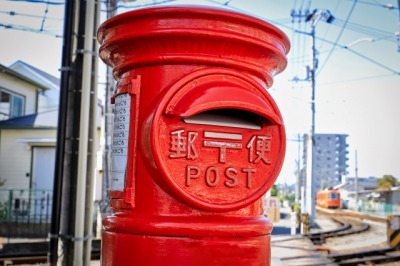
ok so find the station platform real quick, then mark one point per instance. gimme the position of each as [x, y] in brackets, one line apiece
[296, 250]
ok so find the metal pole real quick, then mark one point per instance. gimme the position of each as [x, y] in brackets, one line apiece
[84, 134]
[93, 148]
[313, 70]
[62, 122]
[310, 191]
[398, 35]
[108, 119]
[356, 183]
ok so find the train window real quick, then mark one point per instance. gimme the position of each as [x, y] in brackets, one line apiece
[333, 196]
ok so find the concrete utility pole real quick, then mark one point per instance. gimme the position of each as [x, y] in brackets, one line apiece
[108, 120]
[356, 184]
[68, 40]
[398, 33]
[314, 18]
[76, 137]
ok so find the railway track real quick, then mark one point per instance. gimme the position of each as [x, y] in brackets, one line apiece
[366, 257]
[346, 228]
[359, 250]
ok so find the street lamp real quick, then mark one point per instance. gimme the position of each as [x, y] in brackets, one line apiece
[364, 39]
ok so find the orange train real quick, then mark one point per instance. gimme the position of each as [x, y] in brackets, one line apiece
[328, 199]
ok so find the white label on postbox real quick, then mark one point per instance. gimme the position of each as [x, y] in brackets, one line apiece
[120, 140]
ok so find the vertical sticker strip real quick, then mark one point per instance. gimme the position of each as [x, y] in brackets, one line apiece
[119, 153]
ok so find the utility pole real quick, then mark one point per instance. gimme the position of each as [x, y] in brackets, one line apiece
[68, 40]
[310, 178]
[108, 120]
[356, 183]
[398, 33]
[314, 18]
[76, 137]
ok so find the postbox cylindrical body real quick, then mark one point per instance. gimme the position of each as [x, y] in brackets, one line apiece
[197, 139]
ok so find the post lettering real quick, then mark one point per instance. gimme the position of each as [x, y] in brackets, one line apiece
[192, 172]
[249, 172]
[231, 173]
[208, 175]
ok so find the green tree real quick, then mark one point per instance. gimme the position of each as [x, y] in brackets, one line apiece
[274, 191]
[386, 182]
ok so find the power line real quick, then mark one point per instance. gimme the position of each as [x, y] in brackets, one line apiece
[134, 6]
[339, 36]
[39, 2]
[28, 29]
[363, 29]
[387, 6]
[44, 16]
[348, 49]
[13, 13]
[356, 79]
[362, 56]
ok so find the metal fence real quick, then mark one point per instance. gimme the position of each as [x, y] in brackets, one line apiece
[372, 207]
[25, 212]
[380, 208]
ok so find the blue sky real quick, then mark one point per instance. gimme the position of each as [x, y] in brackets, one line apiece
[357, 89]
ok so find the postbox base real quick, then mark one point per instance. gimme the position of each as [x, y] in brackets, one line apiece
[126, 249]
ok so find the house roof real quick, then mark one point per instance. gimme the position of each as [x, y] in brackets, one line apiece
[43, 120]
[36, 74]
[19, 76]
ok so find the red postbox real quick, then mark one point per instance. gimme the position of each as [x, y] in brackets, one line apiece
[197, 139]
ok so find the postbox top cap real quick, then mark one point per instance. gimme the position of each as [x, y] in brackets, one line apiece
[183, 10]
[193, 35]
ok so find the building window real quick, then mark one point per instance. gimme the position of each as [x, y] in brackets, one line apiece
[11, 104]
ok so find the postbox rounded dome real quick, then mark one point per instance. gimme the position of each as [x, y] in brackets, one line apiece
[209, 36]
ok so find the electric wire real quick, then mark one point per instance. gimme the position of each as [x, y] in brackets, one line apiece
[28, 29]
[13, 13]
[293, 34]
[387, 6]
[362, 28]
[44, 16]
[362, 56]
[134, 6]
[338, 37]
[301, 39]
[330, 24]
[39, 2]
[345, 81]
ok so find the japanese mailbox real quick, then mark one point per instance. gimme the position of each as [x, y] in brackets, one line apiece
[197, 138]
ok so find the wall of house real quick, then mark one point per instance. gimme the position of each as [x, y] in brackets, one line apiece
[49, 99]
[16, 157]
[23, 88]
[394, 197]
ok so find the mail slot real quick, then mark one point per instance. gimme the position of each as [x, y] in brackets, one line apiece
[216, 140]
[197, 138]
